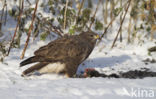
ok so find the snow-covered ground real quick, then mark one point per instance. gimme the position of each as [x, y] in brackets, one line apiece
[48, 86]
[88, 88]
[123, 57]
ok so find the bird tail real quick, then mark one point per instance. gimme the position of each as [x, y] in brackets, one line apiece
[33, 68]
[28, 61]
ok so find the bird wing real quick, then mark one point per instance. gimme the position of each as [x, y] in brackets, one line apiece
[63, 48]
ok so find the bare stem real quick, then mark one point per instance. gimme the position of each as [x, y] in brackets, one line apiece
[2, 14]
[56, 30]
[92, 21]
[65, 14]
[120, 22]
[30, 29]
[19, 20]
[6, 9]
[105, 30]
[129, 1]
[112, 9]
[81, 5]
[129, 30]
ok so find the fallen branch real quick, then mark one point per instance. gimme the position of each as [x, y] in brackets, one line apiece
[121, 23]
[30, 29]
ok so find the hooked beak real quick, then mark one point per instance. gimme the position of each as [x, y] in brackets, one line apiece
[96, 36]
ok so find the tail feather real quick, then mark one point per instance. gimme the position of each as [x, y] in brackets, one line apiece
[36, 59]
[28, 61]
[33, 68]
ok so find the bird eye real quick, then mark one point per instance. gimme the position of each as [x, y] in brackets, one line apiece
[92, 35]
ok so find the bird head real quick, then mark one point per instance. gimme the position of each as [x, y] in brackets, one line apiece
[90, 36]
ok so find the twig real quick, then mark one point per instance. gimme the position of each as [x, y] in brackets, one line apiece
[151, 16]
[120, 22]
[6, 14]
[2, 15]
[105, 30]
[129, 30]
[28, 2]
[19, 20]
[112, 9]
[56, 30]
[129, 1]
[105, 10]
[3, 10]
[65, 14]
[94, 14]
[81, 5]
[30, 29]
[37, 26]
[51, 27]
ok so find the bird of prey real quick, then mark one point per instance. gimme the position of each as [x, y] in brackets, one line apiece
[63, 55]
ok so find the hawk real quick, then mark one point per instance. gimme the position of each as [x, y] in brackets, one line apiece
[63, 55]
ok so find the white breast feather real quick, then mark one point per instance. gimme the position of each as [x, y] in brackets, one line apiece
[52, 68]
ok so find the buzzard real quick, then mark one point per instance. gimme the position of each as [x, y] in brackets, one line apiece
[63, 55]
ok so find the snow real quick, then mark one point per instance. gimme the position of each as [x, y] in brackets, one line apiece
[49, 86]
[88, 88]
[123, 57]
